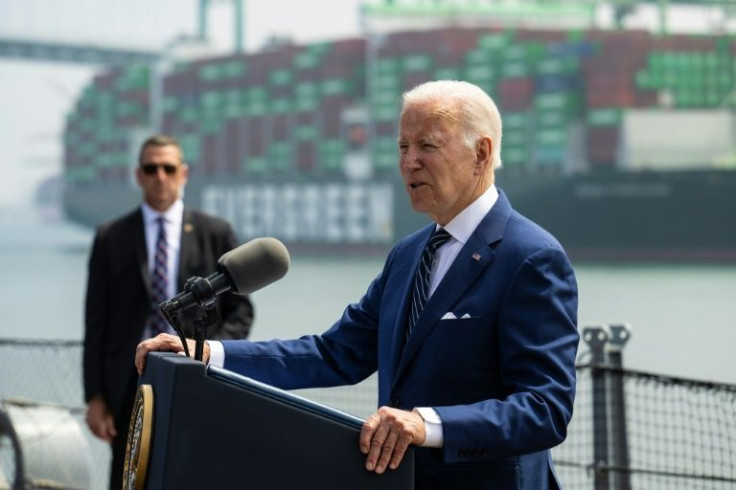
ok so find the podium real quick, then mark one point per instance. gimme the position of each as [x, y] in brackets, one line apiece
[204, 427]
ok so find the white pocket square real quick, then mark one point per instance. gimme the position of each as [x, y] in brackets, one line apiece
[449, 316]
[467, 315]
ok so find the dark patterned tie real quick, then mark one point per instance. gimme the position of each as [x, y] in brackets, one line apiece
[420, 291]
[160, 280]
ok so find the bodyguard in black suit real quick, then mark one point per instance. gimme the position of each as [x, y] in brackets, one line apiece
[120, 305]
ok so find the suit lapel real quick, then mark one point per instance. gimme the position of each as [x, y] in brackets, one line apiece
[470, 263]
[138, 232]
[406, 270]
[188, 244]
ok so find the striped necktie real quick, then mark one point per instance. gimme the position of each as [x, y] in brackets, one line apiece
[160, 280]
[420, 290]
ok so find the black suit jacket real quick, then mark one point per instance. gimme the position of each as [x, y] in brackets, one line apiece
[119, 291]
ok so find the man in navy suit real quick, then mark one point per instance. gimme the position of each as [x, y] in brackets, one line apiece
[483, 382]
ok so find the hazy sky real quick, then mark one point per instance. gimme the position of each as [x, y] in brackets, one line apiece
[35, 97]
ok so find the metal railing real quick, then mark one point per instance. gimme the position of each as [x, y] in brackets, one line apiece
[631, 430]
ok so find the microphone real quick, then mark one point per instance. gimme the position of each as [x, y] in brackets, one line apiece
[243, 270]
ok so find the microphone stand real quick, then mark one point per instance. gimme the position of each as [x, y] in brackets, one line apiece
[204, 294]
[202, 323]
[208, 316]
[171, 313]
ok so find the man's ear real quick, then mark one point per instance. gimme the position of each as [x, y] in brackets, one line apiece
[483, 154]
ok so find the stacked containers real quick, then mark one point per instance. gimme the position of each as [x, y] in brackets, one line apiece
[200, 103]
[181, 112]
[452, 45]
[537, 108]
[280, 113]
[385, 89]
[558, 101]
[97, 148]
[402, 61]
[274, 113]
[307, 131]
[249, 143]
[341, 86]
[513, 90]
[687, 72]
[482, 64]
[609, 83]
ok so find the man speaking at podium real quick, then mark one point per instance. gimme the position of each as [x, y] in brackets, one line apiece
[471, 325]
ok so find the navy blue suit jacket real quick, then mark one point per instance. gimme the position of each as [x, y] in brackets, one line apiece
[501, 376]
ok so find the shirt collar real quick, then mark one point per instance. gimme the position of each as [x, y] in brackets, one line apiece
[172, 215]
[464, 224]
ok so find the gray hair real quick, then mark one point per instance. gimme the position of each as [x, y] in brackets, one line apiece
[479, 115]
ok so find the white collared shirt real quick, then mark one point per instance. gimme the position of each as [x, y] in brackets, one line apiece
[460, 227]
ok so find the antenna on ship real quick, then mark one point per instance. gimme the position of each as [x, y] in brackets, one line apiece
[161, 65]
[238, 17]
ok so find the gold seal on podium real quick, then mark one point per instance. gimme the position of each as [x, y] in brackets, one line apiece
[139, 440]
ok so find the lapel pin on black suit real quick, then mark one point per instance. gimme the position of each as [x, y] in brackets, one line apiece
[188, 227]
[476, 256]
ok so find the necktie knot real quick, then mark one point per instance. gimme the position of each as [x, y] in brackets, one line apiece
[438, 238]
[161, 222]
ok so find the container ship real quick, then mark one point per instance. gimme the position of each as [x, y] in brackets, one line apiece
[619, 142]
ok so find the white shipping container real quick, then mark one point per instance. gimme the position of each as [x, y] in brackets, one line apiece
[676, 139]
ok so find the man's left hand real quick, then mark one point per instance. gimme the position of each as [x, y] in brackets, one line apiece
[387, 434]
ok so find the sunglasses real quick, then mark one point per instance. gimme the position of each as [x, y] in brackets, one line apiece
[152, 169]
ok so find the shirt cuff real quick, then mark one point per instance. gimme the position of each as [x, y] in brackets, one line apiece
[432, 427]
[217, 354]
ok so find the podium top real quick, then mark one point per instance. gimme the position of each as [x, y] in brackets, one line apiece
[285, 397]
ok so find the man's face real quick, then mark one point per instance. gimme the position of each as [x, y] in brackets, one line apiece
[161, 175]
[441, 174]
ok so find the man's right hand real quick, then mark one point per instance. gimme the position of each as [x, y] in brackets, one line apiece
[165, 342]
[100, 420]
